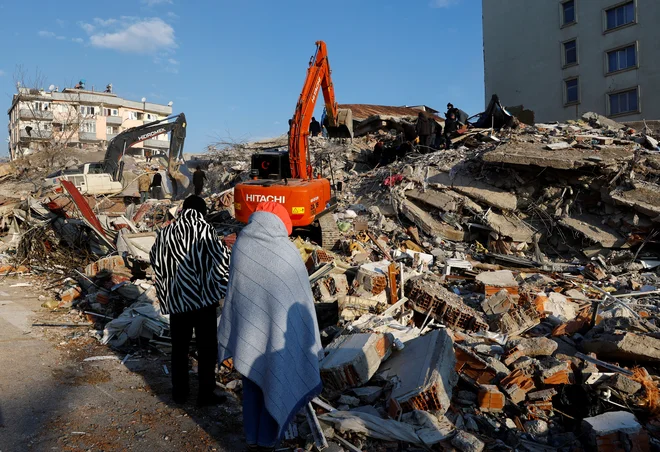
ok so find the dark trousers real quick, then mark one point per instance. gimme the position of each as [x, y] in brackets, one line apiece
[204, 322]
[198, 189]
[260, 427]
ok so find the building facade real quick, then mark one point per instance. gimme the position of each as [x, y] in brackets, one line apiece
[78, 119]
[563, 58]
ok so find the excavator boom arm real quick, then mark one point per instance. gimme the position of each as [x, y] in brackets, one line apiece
[118, 146]
[318, 78]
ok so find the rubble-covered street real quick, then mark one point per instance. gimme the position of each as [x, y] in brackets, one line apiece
[500, 295]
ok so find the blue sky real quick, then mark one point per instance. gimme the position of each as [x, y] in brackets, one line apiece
[236, 68]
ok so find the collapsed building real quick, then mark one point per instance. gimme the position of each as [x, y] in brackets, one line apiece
[501, 294]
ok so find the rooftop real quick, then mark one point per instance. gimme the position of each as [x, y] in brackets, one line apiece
[363, 111]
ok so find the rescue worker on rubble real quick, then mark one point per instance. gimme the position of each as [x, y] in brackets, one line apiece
[460, 115]
[192, 268]
[198, 179]
[451, 126]
[314, 127]
[269, 327]
[144, 181]
[423, 127]
[157, 185]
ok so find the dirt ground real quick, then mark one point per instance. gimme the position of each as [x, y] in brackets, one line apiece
[51, 399]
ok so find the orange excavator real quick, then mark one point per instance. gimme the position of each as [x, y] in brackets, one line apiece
[288, 177]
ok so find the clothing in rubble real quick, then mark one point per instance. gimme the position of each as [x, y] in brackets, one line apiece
[198, 179]
[269, 327]
[314, 127]
[156, 186]
[144, 181]
[192, 268]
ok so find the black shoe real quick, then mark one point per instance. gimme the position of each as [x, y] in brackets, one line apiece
[180, 399]
[211, 399]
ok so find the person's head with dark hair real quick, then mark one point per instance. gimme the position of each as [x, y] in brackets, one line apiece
[196, 203]
[199, 168]
[450, 105]
[313, 119]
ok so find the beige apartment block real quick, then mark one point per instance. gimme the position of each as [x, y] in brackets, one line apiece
[78, 119]
[563, 58]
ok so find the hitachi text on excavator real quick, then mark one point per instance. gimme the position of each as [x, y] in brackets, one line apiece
[288, 177]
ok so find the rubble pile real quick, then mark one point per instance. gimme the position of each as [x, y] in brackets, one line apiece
[500, 294]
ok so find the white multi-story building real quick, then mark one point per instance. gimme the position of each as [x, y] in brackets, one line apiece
[78, 118]
[563, 58]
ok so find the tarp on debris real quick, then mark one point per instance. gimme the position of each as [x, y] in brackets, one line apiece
[495, 116]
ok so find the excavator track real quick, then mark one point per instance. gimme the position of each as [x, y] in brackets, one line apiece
[330, 235]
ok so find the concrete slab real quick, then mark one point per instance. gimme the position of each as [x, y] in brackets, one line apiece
[614, 421]
[426, 370]
[644, 198]
[354, 359]
[499, 278]
[533, 154]
[592, 228]
[624, 346]
[510, 226]
[477, 190]
[434, 198]
[430, 225]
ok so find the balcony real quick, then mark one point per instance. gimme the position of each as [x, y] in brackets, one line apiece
[113, 120]
[110, 136]
[87, 136]
[36, 135]
[158, 144]
[26, 113]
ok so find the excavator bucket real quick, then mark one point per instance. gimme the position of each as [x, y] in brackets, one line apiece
[344, 127]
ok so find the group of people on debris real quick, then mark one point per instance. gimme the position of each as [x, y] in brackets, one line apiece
[268, 325]
[427, 133]
[152, 187]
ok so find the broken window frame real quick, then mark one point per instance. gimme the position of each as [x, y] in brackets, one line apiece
[629, 111]
[623, 10]
[567, 101]
[563, 9]
[565, 51]
[88, 127]
[616, 50]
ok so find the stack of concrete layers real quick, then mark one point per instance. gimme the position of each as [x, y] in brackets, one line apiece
[503, 292]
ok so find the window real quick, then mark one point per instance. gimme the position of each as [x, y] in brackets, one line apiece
[570, 53]
[87, 110]
[57, 127]
[572, 91]
[132, 115]
[623, 58]
[110, 112]
[140, 116]
[88, 127]
[151, 117]
[568, 12]
[624, 102]
[111, 130]
[41, 106]
[620, 15]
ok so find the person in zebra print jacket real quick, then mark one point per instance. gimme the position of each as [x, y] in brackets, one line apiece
[191, 267]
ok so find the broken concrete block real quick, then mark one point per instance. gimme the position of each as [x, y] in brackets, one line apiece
[474, 369]
[434, 198]
[509, 226]
[495, 281]
[537, 427]
[467, 442]
[498, 303]
[111, 263]
[597, 120]
[372, 278]
[518, 320]
[624, 346]
[616, 428]
[624, 384]
[593, 228]
[354, 359]
[545, 394]
[530, 347]
[558, 307]
[428, 294]
[477, 190]
[644, 198]
[351, 308]
[368, 394]
[517, 384]
[558, 146]
[70, 294]
[425, 371]
[348, 400]
[430, 225]
[490, 399]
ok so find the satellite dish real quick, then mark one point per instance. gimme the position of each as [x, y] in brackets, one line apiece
[144, 99]
[51, 87]
[170, 103]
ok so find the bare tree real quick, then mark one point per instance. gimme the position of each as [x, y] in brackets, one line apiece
[51, 125]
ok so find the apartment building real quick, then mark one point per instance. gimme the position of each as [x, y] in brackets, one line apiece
[78, 119]
[563, 58]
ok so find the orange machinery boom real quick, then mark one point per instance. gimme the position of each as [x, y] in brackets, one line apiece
[305, 195]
